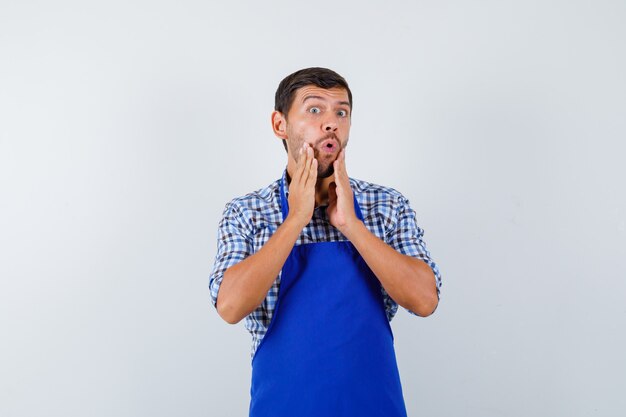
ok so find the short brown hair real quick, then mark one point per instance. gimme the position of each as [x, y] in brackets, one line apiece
[320, 77]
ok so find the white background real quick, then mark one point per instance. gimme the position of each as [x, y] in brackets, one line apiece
[126, 126]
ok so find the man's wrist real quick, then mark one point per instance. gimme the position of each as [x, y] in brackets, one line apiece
[292, 222]
[353, 228]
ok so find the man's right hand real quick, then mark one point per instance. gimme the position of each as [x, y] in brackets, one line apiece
[302, 187]
[245, 284]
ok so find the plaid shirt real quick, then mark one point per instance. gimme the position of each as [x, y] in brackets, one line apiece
[249, 221]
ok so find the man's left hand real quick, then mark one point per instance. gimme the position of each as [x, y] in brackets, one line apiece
[340, 209]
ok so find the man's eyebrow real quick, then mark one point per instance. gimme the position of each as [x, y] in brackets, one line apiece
[343, 103]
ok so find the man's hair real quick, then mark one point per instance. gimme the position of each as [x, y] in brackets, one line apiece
[320, 77]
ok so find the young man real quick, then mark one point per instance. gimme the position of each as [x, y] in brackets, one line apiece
[317, 263]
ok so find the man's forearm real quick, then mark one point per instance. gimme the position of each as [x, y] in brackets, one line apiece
[245, 284]
[408, 281]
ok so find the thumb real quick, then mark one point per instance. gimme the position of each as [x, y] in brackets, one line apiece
[332, 193]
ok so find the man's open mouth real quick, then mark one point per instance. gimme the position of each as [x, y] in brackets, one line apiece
[329, 146]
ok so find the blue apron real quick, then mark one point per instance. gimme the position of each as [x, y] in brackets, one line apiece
[328, 351]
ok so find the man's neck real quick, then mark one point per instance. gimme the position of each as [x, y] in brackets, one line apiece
[321, 188]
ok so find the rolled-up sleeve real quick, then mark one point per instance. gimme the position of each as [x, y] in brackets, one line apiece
[234, 243]
[407, 238]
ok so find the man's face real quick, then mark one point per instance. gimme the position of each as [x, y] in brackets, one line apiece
[321, 118]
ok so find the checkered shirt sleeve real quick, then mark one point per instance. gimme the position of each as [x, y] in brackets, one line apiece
[406, 238]
[234, 243]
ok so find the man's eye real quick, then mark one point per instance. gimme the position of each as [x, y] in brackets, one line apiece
[314, 110]
[342, 113]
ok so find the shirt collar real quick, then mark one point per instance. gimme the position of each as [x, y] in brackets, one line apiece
[285, 181]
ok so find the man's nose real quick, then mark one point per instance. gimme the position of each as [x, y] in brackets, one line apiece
[330, 125]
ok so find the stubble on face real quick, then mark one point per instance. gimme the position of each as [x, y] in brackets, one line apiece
[325, 166]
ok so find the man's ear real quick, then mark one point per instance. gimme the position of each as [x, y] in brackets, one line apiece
[279, 124]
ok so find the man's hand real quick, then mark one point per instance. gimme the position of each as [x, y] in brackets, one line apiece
[408, 281]
[302, 187]
[245, 284]
[340, 200]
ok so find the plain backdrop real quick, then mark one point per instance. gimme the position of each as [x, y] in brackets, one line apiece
[126, 126]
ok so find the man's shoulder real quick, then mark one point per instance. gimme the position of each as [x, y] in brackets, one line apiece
[256, 200]
[369, 191]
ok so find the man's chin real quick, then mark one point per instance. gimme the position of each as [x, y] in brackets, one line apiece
[325, 173]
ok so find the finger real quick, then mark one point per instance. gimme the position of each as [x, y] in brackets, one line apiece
[312, 178]
[342, 181]
[339, 177]
[341, 167]
[342, 161]
[301, 164]
[336, 169]
[332, 194]
[307, 165]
